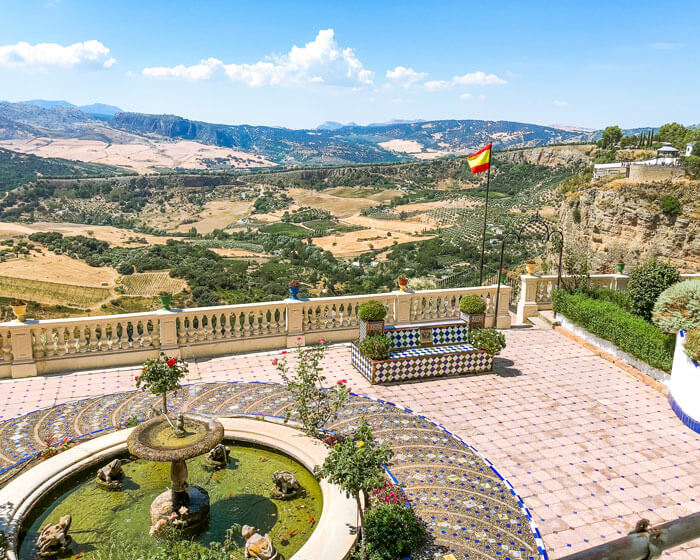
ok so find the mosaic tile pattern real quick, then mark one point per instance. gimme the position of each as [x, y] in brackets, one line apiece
[420, 363]
[450, 335]
[471, 511]
[403, 338]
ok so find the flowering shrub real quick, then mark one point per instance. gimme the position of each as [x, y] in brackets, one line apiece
[161, 375]
[375, 347]
[388, 493]
[54, 448]
[314, 403]
[393, 531]
[174, 520]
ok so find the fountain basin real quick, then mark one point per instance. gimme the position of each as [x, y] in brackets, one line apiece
[335, 531]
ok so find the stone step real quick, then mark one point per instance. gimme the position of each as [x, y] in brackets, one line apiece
[540, 323]
[548, 315]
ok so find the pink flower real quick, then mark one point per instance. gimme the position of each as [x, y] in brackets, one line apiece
[322, 340]
[171, 362]
[283, 352]
[342, 382]
[274, 362]
[183, 510]
[298, 338]
[136, 378]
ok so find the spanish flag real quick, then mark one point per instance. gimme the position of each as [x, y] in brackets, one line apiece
[481, 160]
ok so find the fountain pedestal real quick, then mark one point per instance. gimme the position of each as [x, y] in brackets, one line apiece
[183, 506]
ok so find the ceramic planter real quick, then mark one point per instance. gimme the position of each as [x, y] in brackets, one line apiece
[294, 292]
[370, 327]
[20, 310]
[403, 283]
[530, 266]
[166, 300]
[620, 267]
[503, 275]
[473, 320]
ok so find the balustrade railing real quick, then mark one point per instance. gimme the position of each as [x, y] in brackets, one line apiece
[58, 345]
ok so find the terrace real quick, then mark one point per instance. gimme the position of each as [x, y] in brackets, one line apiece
[555, 451]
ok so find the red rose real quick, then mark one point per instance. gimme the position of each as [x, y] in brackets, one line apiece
[171, 362]
[136, 378]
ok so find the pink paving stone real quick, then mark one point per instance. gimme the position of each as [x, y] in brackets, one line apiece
[564, 412]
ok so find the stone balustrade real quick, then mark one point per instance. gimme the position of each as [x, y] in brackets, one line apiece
[61, 345]
[536, 291]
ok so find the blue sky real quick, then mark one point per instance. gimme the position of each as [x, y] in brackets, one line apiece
[299, 63]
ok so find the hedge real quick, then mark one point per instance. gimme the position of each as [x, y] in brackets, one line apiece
[630, 333]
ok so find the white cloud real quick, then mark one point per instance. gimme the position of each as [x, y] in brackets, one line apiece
[473, 79]
[559, 103]
[42, 55]
[321, 61]
[466, 96]
[405, 76]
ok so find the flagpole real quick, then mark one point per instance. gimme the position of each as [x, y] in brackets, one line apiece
[483, 236]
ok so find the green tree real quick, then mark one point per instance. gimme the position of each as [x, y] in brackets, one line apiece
[356, 464]
[611, 136]
[674, 133]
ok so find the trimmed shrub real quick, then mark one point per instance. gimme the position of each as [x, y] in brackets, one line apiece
[489, 340]
[613, 296]
[472, 304]
[670, 205]
[692, 345]
[375, 347]
[393, 531]
[646, 284]
[372, 310]
[678, 307]
[630, 333]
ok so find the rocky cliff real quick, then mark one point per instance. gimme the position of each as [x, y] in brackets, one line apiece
[623, 220]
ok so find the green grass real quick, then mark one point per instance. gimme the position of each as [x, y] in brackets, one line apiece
[287, 229]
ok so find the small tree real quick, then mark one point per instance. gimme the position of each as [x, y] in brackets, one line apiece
[315, 404]
[646, 284]
[356, 464]
[611, 136]
[161, 375]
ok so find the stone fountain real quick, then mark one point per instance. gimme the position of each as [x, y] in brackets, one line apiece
[161, 440]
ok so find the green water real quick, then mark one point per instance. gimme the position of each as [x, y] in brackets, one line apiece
[239, 495]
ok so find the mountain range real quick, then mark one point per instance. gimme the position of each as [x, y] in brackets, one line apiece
[103, 134]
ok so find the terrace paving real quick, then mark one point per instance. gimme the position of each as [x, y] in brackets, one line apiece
[589, 448]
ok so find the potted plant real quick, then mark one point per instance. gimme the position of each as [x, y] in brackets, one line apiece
[375, 346]
[620, 267]
[166, 298]
[371, 317]
[472, 310]
[489, 340]
[19, 308]
[403, 283]
[160, 375]
[294, 286]
[530, 266]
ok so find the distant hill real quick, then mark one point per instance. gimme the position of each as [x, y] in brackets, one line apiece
[24, 126]
[17, 169]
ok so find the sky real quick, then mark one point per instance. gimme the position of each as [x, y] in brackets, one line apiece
[300, 63]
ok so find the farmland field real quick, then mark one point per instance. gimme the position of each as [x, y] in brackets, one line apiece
[151, 284]
[52, 292]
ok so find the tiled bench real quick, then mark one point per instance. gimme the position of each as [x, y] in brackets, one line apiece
[424, 350]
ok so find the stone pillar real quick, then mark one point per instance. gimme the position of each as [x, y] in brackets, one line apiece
[527, 306]
[503, 313]
[23, 364]
[295, 324]
[403, 307]
[168, 333]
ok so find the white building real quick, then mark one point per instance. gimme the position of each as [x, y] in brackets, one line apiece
[689, 149]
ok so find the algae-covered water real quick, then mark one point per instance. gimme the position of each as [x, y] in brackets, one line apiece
[239, 495]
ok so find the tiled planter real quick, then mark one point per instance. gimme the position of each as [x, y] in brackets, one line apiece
[685, 386]
[370, 327]
[420, 363]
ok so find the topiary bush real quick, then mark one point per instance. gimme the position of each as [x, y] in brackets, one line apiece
[375, 347]
[646, 284]
[678, 307]
[630, 333]
[489, 340]
[372, 310]
[472, 304]
[393, 531]
[670, 205]
[692, 345]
